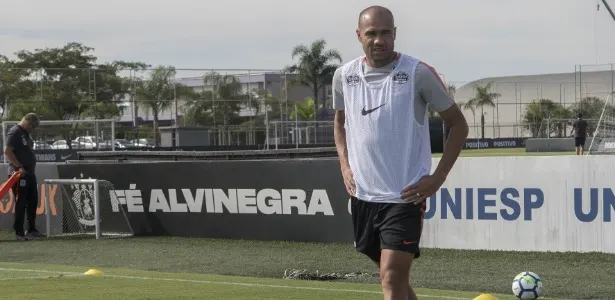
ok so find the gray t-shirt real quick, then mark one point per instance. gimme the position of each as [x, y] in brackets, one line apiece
[429, 88]
[19, 139]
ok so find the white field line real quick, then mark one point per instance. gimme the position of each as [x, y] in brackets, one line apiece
[224, 283]
[37, 277]
[231, 283]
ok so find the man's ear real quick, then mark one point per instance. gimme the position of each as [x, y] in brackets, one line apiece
[358, 34]
[394, 33]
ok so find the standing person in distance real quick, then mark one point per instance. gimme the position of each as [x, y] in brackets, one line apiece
[382, 139]
[20, 154]
[579, 127]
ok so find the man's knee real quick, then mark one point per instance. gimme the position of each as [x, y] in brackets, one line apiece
[395, 268]
[393, 278]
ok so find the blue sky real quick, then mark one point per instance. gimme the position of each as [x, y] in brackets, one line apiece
[464, 40]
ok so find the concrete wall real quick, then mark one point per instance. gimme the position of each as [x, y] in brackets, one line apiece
[553, 145]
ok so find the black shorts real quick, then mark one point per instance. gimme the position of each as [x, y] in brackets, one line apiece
[579, 142]
[395, 226]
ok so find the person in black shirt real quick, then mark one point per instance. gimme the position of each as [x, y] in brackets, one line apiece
[19, 152]
[579, 127]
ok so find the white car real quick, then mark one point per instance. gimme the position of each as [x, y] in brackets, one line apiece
[91, 142]
[143, 143]
[61, 145]
[41, 146]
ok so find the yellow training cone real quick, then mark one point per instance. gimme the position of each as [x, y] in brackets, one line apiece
[486, 297]
[93, 272]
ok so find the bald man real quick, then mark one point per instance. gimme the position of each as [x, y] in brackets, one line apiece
[382, 139]
[20, 155]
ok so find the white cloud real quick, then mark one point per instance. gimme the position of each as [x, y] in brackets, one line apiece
[465, 40]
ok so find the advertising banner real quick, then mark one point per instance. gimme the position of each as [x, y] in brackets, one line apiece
[7, 204]
[548, 203]
[556, 203]
[495, 143]
[295, 200]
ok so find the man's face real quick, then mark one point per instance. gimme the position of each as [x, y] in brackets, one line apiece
[31, 126]
[377, 33]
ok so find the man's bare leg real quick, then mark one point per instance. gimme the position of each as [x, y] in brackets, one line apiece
[411, 294]
[394, 273]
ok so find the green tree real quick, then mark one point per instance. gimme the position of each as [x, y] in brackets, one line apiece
[483, 97]
[466, 105]
[71, 81]
[303, 111]
[64, 83]
[315, 68]
[451, 89]
[157, 92]
[538, 114]
[199, 109]
[590, 107]
[220, 107]
[228, 98]
[269, 103]
[129, 83]
[266, 106]
[10, 88]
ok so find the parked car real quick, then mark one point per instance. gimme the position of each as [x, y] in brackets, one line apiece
[122, 144]
[61, 144]
[91, 142]
[39, 145]
[143, 143]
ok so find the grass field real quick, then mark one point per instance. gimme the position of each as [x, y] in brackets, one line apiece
[194, 268]
[181, 268]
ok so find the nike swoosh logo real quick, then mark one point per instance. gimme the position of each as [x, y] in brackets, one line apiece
[369, 111]
[65, 157]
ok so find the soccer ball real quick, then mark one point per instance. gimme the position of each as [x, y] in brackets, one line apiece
[527, 286]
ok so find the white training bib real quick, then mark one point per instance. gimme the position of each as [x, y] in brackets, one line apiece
[387, 149]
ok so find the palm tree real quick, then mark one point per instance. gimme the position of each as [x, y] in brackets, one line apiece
[218, 107]
[227, 97]
[466, 105]
[483, 97]
[157, 93]
[315, 68]
[303, 111]
[451, 89]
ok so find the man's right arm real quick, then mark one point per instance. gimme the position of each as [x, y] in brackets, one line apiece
[11, 141]
[339, 132]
